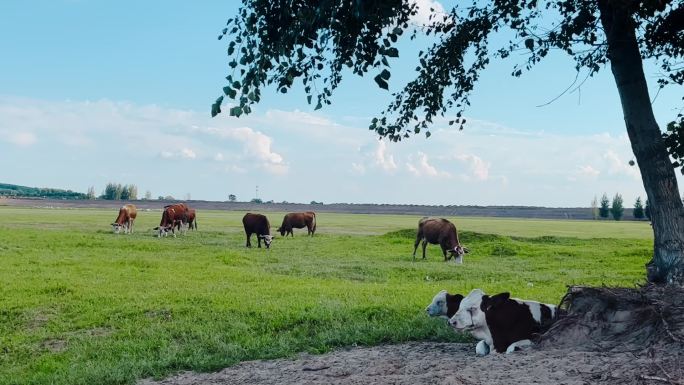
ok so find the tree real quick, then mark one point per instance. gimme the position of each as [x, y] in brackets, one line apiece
[594, 208]
[256, 200]
[232, 198]
[277, 42]
[132, 192]
[112, 191]
[125, 193]
[616, 209]
[638, 209]
[148, 195]
[91, 192]
[604, 210]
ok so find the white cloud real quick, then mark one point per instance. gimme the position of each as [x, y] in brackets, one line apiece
[424, 6]
[383, 159]
[358, 168]
[422, 167]
[183, 153]
[619, 166]
[479, 169]
[257, 146]
[218, 157]
[586, 172]
[23, 139]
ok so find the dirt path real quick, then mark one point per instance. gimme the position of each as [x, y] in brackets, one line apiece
[431, 364]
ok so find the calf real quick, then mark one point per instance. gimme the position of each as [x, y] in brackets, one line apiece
[504, 323]
[298, 221]
[445, 305]
[440, 231]
[124, 221]
[257, 224]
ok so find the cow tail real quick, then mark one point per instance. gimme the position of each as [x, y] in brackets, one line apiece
[195, 223]
[314, 224]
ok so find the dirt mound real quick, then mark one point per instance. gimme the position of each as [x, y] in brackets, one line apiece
[606, 318]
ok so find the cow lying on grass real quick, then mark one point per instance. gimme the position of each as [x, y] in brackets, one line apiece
[445, 305]
[504, 323]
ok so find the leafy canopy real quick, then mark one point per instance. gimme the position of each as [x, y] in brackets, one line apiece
[276, 42]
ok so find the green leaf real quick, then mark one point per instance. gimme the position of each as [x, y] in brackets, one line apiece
[230, 92]
[381, 82]
[318, 106]
[216, 107]
[308, 99]
[385, 74]
[236, 111]
[392, 52]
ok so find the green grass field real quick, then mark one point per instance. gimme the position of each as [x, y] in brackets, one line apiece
[80, 305]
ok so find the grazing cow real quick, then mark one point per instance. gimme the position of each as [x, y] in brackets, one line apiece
[191, 218]
[173, 216]
[445, 305]
[257, 224]
[440, 231]
[298, 221]
[124, 221]
[504, 323]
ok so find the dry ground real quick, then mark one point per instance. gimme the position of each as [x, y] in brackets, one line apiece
[443, 363]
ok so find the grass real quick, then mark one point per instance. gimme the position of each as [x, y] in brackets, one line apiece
[79, 305]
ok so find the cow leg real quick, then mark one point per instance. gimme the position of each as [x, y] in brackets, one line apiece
[444, 252]
[424, 245]
[482, 349]
[518, 345]
[259, 240]
[130, 230]
[249, 244]
[292, 233]
[415, 247]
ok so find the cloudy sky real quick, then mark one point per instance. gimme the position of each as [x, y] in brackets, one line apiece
[98, 91]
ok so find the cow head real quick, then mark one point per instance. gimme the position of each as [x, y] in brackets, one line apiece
[469, 315]
[489, 304]
[281, 230]
[117, 228]
[267, 240]
[444, 304]
[457, 253]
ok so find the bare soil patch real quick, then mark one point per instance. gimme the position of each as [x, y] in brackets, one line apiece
[440, 363]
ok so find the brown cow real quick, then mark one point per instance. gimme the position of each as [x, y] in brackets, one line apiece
[298, 221]
[257, 224]
[440, 231]
[173, 216]
[192, 219]
[124, 221]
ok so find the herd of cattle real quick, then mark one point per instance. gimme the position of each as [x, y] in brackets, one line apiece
[502, 324]
[180, 217]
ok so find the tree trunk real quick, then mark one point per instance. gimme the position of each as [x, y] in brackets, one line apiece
[657, 172]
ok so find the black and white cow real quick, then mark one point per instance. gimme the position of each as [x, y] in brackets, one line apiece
[445, 305]
[505, 324]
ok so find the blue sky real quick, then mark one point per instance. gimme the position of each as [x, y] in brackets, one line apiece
[98, 91]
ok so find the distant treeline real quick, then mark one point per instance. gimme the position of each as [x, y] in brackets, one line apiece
[13, 190]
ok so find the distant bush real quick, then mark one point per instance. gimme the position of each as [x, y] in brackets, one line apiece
[13, 190]
[638, 209]
[604, 210]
